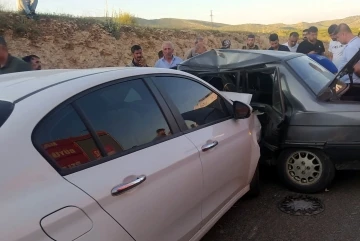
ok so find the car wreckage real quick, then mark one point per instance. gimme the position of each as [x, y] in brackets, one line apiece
[310, 118]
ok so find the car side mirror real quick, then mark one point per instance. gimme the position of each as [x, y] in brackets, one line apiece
[241, 110]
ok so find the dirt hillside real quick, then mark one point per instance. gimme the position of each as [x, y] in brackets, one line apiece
[69, 44]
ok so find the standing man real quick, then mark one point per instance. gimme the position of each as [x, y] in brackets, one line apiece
[292, 43]
[34, 61]
[274, 42]
[250, 44]
[312, 45]
[169, 60]
[8, 63]
[345, 36]
[305, 34]
[191, 52]
[138, 58]
[336, 48]
[28, 7]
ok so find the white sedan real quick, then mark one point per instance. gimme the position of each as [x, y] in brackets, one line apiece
[124, 154]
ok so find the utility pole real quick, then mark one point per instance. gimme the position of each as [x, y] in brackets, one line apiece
[211, 16]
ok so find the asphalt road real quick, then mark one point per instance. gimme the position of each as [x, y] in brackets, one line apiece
[260, 219]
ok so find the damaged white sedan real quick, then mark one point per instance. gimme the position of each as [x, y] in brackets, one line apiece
[121, 154]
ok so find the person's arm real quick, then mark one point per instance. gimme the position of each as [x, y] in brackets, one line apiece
[157, 64]
[322, 48]
[357, 69]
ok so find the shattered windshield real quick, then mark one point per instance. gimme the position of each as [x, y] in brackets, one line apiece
[314, 75]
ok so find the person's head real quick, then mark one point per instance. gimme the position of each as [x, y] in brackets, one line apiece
[312, 34]
[274, 40]
[331, 31]
[226, 44]
[160, 54]
[200, 48]
[343, 33]
[199, 40]
[293, 39]
[34, 61]
[3, 51]
[305, 33]
[168, 49]
[251, 40]
[137, 52]
[161, 132]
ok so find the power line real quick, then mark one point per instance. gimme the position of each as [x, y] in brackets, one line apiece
[211, 16]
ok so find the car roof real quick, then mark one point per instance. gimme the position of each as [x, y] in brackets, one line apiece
[17, 86]
[227, 59]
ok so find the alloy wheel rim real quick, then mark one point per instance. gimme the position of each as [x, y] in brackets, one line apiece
[304, 167]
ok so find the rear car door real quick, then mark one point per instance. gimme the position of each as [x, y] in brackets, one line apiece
[226, 145]
[139, 168]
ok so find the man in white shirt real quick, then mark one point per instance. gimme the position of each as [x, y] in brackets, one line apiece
[292, 43]
[352, 42]
[336, 48]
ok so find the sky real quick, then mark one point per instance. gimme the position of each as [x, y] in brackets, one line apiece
[229, 11]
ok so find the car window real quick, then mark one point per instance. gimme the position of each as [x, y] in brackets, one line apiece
[6, 109]
[126, 114]
[197, 104]
[312, 73]
[65, 139]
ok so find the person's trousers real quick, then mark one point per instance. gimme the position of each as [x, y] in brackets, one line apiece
[28, 6]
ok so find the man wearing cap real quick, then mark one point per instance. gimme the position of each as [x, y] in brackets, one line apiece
[336, 48]
[250, 44]
[8, 63]
[226, 44]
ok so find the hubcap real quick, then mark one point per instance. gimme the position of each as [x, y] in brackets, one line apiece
[304, 167]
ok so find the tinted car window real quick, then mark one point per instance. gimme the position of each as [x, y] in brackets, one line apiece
[65, 139]
[6, 109]
[126, 114]
[197, 104]
[314, 75]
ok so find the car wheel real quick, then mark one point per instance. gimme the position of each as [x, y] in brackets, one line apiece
[306, 171]
[255, 185]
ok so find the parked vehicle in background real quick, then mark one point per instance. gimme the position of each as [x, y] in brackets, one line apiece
[121, 154]
[311, 118]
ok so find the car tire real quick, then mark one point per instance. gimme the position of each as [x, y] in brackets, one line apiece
[305, 170]
[254, 184]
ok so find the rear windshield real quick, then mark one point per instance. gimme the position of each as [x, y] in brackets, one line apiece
[5, 111]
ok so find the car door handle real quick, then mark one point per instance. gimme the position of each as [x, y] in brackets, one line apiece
[209, 146]
[119, 189]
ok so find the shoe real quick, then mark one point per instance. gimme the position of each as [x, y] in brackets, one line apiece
[29, 16]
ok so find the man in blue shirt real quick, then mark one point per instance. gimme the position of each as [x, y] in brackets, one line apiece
[274, 42]
[169, 60]
[324, 62]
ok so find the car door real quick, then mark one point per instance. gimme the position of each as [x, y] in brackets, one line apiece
[140, 168]
[269, 97]
[225, 144]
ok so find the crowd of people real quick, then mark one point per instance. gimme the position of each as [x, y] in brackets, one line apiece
[343, 46]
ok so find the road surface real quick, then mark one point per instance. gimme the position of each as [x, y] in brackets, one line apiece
[260, 219]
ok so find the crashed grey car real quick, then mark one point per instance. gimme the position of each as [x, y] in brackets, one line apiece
[310, 119]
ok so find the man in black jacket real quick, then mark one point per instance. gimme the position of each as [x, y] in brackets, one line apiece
[311, 45]
[8, 63]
